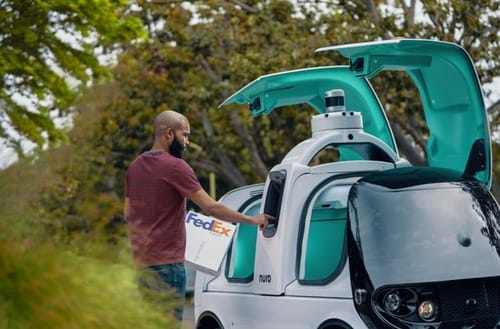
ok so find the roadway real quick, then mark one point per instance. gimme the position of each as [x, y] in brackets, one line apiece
[188, 322]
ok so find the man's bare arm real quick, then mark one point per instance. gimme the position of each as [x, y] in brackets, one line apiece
[214, 208]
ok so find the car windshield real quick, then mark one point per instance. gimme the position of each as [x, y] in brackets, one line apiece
[444, 232]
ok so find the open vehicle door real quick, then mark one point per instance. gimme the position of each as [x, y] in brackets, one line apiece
[443, 73]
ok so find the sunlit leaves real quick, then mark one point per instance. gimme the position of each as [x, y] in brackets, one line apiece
[195, 59]
[46, 49]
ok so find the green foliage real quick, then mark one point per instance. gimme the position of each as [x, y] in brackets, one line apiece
[190, 64]
[201, 64]
[196, 60]
[80, 206]
[473, 25]
[46, 47]
[43, 285]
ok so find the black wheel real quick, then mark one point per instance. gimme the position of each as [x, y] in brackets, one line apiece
[334, 324]
[208, 321]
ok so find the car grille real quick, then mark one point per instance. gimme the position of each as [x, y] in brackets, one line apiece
[481, 295]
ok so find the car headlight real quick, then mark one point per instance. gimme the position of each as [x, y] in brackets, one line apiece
[402, 306]
[427, 310]
[392, 302]
[399, 302]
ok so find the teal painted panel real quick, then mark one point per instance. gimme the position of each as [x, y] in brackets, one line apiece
[443, 73]
[244, 253]
[244, 250]
[308, 86]
[324, 243]
[450, 92]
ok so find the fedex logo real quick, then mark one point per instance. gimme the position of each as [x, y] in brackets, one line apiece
[210, 225]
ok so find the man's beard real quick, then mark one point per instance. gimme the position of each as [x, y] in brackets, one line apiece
[176, 148]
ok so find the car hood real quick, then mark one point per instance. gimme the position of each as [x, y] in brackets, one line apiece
[406, 223]
[443, 72]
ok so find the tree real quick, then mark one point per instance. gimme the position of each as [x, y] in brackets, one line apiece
[204, 62]
[191, 65]
[46, 49]
[44, 284]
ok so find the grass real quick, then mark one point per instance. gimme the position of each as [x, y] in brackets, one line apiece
[44, 285]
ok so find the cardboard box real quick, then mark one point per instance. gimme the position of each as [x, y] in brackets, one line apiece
[207, 241]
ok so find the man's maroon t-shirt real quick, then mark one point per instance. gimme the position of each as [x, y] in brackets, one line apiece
[157, 185]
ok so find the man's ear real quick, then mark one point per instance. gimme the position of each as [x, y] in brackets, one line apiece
[170, 134]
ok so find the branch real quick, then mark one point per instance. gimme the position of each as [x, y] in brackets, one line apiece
[372, 9]
[494, 109]
[406, 147]
[229, 167]
[409, 11]
[257, 163]
[210, 73]
[495, 189]
[218, 170]
[245, 7]
[414, 130]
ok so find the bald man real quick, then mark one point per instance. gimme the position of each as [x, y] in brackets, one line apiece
[158, 183]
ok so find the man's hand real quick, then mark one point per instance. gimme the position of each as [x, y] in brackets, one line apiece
[262, 220]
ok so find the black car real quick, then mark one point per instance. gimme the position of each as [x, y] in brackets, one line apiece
[424, 247]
